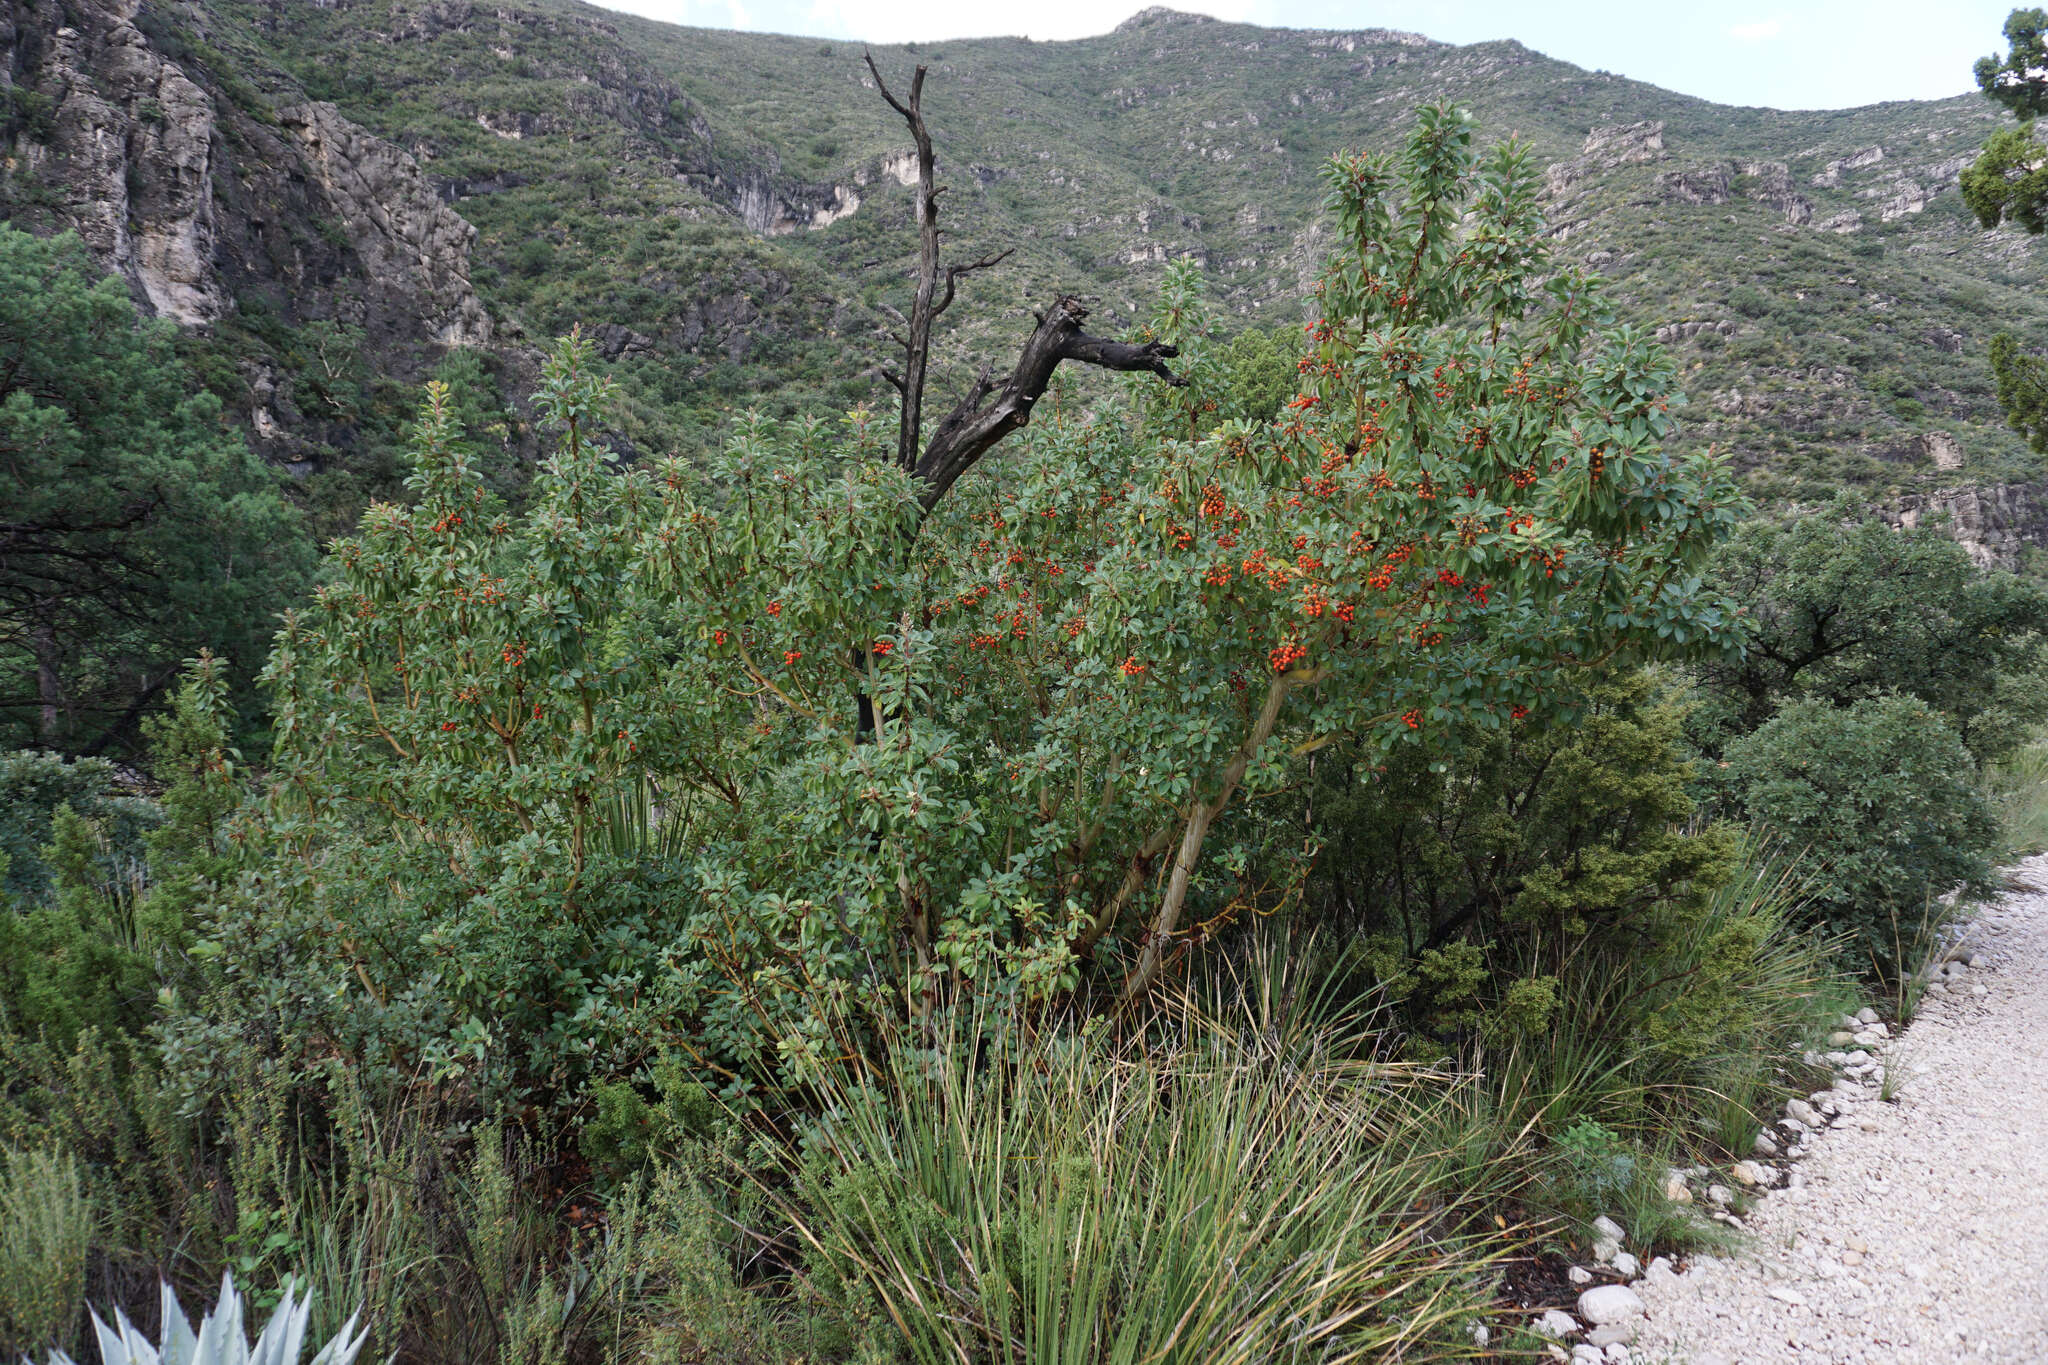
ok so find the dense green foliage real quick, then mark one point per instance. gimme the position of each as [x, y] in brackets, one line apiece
[1475, 883]
[1880, 801]
[94, 929]
[138, 527]
[1075, 668]
[1843, 607]
[2022, 388]
[33, 784]
[2009, 181]
[2019, 80]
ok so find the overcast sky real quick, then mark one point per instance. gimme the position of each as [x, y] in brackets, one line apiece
[1819, 54]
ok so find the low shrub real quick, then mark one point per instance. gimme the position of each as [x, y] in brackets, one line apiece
[1472, 881]
[76, 963]
[33, 784]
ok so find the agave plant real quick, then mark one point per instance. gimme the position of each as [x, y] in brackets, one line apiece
[220, 1339]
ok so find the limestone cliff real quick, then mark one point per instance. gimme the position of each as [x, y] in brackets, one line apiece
[206, 193]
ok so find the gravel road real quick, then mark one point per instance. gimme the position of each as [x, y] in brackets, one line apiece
[1920, 1233]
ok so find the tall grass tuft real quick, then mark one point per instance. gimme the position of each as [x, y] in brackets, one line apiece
[1221, 1190]
[362, 1241]
[1676, 1052]
[46, 1227]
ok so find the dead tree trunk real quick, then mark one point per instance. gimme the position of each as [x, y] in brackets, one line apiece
[989, 412]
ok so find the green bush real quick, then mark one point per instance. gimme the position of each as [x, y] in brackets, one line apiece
[109, 911]
[29, 112]
[33, 784]
[628, 1130]
[1882, 803]
[920, 739]
[1471, 878]
[77, 963]
[1843, 606]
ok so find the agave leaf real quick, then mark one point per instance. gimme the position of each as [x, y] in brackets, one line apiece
[178, 1346]
[121, 1344]
[341, 1350]
[285, 1332]
[221, 1340]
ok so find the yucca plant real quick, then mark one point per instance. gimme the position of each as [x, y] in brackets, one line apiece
[220, 1339]
[1215, 1190]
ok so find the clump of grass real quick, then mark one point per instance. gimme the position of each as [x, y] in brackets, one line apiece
[1221, 1189]
[1742, 993]
[1918, 946]
[1672, 1054]
[1893, 1076]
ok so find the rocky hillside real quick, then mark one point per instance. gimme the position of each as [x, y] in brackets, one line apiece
[338, 197]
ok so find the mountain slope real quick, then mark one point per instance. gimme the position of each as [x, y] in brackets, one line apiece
[724, 211]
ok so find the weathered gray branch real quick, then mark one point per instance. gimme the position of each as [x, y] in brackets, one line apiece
[988, 413]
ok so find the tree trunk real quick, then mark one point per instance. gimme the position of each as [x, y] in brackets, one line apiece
[43, 643]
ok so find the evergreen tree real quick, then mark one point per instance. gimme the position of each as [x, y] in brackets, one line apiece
[139, 526]
[2009, 182]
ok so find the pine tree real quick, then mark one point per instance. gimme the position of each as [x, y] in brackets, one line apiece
[139, 525]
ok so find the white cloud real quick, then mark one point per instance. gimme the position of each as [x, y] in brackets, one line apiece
[1759, 32]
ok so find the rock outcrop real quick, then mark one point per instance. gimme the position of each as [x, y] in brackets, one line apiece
[409, 241]
[1608, 147]
[195, 199]
[1994, 522]
[206, 194]
[130, 155]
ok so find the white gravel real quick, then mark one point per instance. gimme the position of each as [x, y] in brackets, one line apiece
[1921, 1231]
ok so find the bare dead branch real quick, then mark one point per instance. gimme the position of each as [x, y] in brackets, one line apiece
[988, 412]
[954, 272]
[916, 86]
